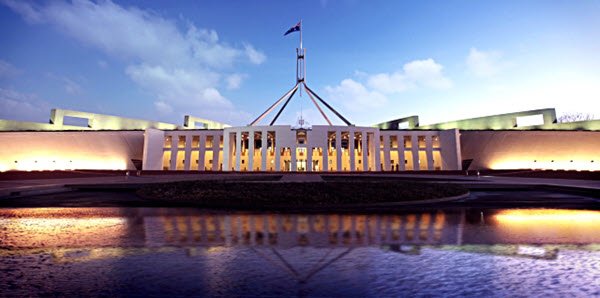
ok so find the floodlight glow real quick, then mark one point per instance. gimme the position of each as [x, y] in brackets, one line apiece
[549, 216]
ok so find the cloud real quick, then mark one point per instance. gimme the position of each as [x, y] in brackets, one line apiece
[7, 70]
[180, 64]
[419, 73]
[179, 86]
[234, 81]
[26, 10]
[485, 64]
[355, 96]
[22, 106]
[388, 83]
[372, 92]
[427, 73]
[255, 56]
[163, 107]
[71, 87]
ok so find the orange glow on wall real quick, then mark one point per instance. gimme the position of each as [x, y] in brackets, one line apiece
[576, 164]
[553, 216]
[37, 162]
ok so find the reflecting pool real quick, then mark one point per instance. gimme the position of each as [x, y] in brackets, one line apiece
[192, 252]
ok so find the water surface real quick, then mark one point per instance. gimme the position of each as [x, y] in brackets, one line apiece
[191, 252]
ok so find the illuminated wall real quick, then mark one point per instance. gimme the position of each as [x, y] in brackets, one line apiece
[334, 148]
[542, 119]
[564, 150]
[95, 121]
[30, 151]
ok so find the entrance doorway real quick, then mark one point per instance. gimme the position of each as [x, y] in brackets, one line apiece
[301, 165]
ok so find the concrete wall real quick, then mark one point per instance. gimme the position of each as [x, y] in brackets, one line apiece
[450, 148]
[189, 122]
[412, 122]
[95, 121]
[569, 150]
[153, 149]
[204, 150]
[105, 122]
[498, 122]
[70, 150]
[12, 125]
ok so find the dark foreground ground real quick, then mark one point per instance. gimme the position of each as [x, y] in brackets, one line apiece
[112, 189]
[476, 199]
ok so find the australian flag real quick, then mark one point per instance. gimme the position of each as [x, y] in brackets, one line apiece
[293, 29]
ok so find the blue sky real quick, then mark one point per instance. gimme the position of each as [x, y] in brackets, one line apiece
[228, 60]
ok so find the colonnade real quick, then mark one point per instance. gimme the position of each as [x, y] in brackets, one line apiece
[321, 148]
[286, 149]
[405, 150]
[193, 150]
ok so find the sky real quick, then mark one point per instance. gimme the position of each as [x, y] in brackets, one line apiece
[228, 61]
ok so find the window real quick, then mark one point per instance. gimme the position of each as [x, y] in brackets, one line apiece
[168, 140]
[407, 142]
[181, 142]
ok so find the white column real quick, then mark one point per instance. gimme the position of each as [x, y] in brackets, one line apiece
[351, 150]
[174, 141]
[251, 151]
[386, 153]
[238, 150]
[415, 152]
[376, 150]
[188, 152]
[293, 157]
[363, 144]
[216, 141]
[325, 165]
[309, 154]
[429, 152]
[277, 153]
[201, 152]
[338, 150]
[263, 150]
[401, 156]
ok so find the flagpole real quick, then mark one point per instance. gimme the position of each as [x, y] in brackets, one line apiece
[300, 33]
[302, 53]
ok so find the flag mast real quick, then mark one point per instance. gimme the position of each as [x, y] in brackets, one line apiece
[300, 84]
[300, 33]
[300, 68]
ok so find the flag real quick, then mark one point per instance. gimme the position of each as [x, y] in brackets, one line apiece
[296, 27]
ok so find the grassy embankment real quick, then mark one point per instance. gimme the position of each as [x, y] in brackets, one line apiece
[240, 194]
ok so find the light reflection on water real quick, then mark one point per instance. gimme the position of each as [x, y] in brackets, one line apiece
[124, 251]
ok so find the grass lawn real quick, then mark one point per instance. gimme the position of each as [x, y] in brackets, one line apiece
[259, 194]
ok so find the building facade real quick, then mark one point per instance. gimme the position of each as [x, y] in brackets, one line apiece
[202, 145]
[284, 148]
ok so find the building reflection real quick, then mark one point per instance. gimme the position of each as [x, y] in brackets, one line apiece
[79, 234]
[283, 230]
